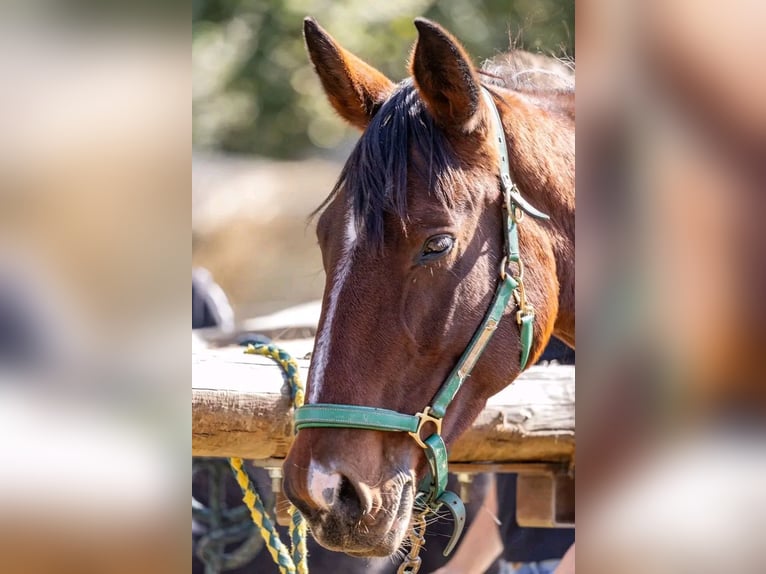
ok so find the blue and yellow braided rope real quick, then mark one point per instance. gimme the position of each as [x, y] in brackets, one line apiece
[262, 520]
[298, 540]
[294, 562]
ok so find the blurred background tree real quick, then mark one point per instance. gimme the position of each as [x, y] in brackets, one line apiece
[254, 89]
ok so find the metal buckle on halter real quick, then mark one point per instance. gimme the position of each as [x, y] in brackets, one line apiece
[514, 211]
[425, 418]
[507, 184]
[524, 312]
[520, 295]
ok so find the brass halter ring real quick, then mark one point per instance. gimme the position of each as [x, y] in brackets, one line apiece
[504, 269]
[425, 418]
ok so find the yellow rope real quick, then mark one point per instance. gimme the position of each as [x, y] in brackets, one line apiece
[298, 540]
[262, 520]
[294, 562]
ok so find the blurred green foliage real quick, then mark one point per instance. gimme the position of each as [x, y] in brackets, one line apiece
[254, 90]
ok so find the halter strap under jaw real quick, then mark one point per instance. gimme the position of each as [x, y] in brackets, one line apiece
[510, 287]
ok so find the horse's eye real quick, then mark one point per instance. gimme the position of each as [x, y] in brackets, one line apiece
[437, 246]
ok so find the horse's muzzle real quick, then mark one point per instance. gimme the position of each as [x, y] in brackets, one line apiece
[355, 518]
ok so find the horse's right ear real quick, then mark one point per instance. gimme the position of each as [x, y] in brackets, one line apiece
[355, 89]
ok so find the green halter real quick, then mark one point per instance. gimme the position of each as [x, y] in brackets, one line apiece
[432, 489]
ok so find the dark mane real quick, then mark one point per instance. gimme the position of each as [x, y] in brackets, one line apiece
[374, 179]
[376, 172]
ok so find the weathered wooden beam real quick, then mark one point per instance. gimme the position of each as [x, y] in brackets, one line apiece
[241, 407]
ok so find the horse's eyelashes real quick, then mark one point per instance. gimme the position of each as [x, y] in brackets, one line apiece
[437, 246]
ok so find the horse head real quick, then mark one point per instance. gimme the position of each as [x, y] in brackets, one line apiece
[412, 240]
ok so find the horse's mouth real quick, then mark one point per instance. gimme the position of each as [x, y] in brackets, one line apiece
[364, 539]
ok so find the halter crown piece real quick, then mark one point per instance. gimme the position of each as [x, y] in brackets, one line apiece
[432, 488]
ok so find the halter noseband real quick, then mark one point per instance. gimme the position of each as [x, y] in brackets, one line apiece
[433, 486]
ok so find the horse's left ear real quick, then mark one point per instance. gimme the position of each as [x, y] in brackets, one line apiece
[445, 77]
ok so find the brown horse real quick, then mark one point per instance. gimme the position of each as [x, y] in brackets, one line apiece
[412, 240]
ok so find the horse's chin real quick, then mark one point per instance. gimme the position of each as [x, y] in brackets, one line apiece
[383, 537]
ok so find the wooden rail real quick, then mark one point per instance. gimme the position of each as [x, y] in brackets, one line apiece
[241, 407]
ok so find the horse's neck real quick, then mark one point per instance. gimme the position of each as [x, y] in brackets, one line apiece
[562, 230]
[542, 150]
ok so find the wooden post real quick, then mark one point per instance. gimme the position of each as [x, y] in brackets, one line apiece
[241, 407]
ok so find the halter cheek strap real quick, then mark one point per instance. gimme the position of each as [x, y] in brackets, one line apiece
[432, 489]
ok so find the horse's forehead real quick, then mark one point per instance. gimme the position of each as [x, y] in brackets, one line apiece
[428, 212]
[425, 210]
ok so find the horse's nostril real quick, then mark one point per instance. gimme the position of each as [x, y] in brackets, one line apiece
[330, 489]
[356, 497]
[347, 496]
[347, 492]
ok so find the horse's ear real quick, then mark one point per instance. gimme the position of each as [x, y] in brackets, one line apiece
[355, 89]
[445, 76]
